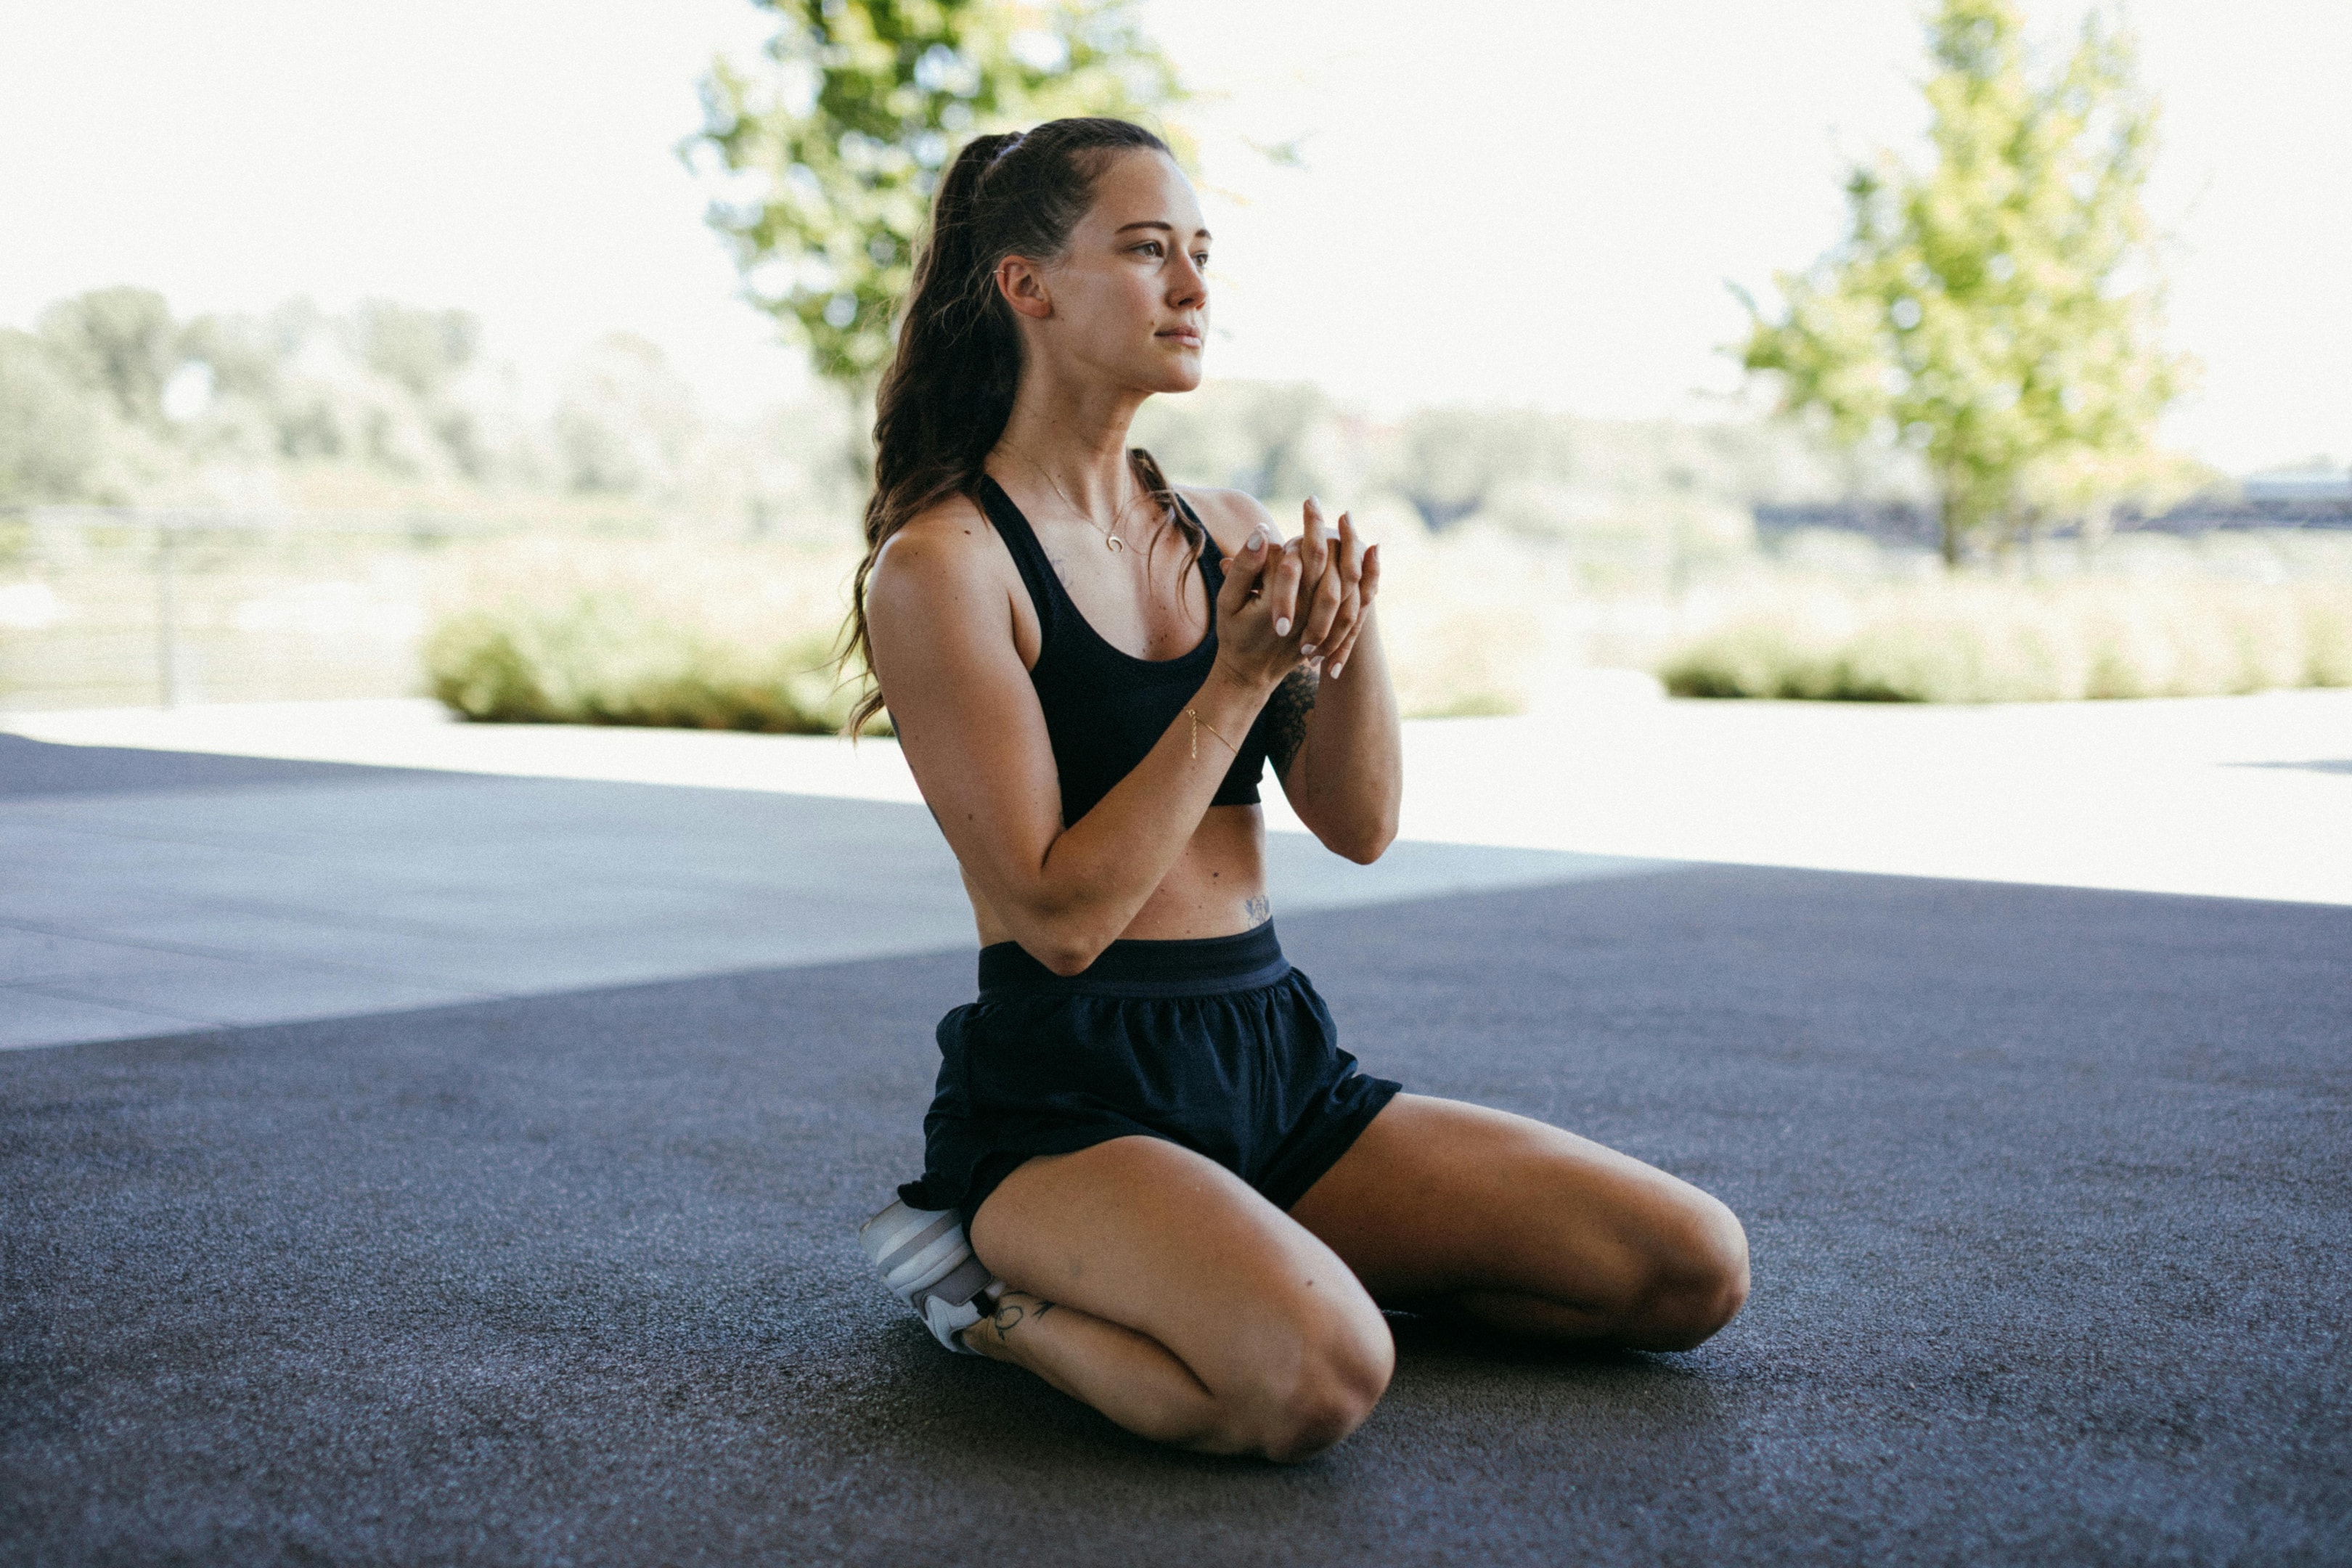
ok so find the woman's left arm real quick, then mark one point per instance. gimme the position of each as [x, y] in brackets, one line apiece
[1333, 737]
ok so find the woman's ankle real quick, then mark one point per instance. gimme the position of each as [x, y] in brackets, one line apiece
[998, 1334]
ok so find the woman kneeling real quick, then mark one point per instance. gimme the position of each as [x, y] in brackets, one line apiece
[1152, 1177]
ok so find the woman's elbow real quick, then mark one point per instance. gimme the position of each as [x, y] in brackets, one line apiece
[1064, 959]
[1362, 837]
[1063, 944]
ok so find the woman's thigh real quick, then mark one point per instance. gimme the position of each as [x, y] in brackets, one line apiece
[1151, 1236]
[1543, 1229]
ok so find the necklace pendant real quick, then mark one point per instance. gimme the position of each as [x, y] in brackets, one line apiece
[1113, 542]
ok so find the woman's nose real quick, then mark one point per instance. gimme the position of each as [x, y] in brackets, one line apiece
[1190, 286]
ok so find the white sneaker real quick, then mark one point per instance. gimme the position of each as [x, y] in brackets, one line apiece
[929, 1265]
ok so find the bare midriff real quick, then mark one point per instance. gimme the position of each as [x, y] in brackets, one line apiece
[1216, 888]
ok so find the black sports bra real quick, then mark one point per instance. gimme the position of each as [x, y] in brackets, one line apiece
[1106, 708]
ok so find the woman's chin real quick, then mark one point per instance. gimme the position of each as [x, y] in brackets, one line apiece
[1177, 373]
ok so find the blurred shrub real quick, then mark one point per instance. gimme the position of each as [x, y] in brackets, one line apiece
[598, 659]
[1475, 619]
[1992, 642]
[701, 638]
[739, 636]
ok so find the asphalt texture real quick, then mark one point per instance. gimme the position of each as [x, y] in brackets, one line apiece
[2047, 1192]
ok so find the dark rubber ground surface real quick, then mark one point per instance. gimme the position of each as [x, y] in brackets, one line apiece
[2047, 1191]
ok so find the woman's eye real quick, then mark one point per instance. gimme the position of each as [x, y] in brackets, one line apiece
[1149, 248]
[1201, 260]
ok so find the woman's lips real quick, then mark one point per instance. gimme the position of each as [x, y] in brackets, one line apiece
[1184, 335]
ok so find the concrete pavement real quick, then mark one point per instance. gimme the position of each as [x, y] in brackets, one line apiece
[2232, 796]
[215, 867]
[146, 892]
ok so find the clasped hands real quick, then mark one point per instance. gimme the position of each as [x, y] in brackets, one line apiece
[1300, 603]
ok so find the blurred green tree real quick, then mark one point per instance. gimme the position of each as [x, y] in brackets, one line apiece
[625, 424]
[835, 144]
[121, 341]
[52, 434]
[1452, 463]
[1270, 438]
[424, 350]
[1999, 311]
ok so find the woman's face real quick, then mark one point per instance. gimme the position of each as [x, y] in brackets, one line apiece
[1128, 303]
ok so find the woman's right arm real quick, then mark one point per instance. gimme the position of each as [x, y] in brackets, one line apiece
[970, 728]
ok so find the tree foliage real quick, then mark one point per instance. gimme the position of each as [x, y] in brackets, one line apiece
[835, 143]
[81, 397]
[51, 432]
[2000, 310]
[120, 343]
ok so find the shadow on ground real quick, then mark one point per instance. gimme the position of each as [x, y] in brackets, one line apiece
[2046, 1191]
[36, 768]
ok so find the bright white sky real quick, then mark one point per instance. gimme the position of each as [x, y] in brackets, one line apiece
[1531, 201]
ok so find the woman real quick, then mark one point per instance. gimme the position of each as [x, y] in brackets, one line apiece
[1153, 1177]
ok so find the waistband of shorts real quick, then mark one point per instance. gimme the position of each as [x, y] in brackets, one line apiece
[1183, 966]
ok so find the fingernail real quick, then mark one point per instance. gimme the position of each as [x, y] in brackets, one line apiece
[1307, 650]
[1255, 540]
[1335, 670]
[1282, 625]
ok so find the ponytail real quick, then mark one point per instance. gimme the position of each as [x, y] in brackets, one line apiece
[948, 393]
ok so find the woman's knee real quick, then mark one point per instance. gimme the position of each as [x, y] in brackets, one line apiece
[1307, 1381]
[1698, 1278]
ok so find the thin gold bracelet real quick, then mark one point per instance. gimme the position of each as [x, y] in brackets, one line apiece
[1200, 724]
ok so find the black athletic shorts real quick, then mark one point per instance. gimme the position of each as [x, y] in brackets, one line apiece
[1213, 1043]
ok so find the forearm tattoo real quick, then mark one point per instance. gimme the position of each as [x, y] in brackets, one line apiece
[1285, 718]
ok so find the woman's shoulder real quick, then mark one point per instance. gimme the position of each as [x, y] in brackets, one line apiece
[1228, 515]
[951, 533]
[940, 552]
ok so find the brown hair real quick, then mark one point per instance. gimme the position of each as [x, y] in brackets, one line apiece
[947, 391]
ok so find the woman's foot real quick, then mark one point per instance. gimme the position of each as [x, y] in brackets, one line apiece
[928, 1264]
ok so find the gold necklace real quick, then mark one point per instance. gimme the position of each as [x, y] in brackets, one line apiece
[1111, 540]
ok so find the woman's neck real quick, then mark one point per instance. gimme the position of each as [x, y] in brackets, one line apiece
[1074, 443]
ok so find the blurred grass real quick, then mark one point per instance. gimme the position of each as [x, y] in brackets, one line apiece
[1990, 641]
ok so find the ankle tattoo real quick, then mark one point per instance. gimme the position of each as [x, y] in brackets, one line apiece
[1011, 1314]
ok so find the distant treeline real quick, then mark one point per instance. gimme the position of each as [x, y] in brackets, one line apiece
[112, 399]
[1523, 470]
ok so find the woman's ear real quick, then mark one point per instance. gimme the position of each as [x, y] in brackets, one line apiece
[1023, 284]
